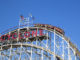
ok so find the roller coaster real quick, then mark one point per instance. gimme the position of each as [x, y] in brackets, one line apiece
[36, 42]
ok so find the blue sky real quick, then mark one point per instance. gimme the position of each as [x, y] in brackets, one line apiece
[61, 13]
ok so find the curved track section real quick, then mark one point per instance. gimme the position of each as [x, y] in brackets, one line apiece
[40, 42]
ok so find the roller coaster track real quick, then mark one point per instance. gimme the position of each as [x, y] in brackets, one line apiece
[15, 43]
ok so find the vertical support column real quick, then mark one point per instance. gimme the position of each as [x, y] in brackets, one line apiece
[10, 48]
[36, 43]
[31, 54]
[37, 38]
[10, 52]
[50, 40]
[40, 51]
[2, 57]
[18, 30]
[54, 43]
[69, 50]
[0, 53]
[75, 55]
[63, 48]
[47, 41]
[18, 35]
[42, 55]
[50, 46]
[16, 52]
[31, 51]
[20, 52]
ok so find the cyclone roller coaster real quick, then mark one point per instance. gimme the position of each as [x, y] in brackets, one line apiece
[37, 42]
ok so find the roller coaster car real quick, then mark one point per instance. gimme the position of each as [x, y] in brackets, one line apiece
[48, 26]
[39, 25]
[58, 29]
[42, 25]
[51, 27]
